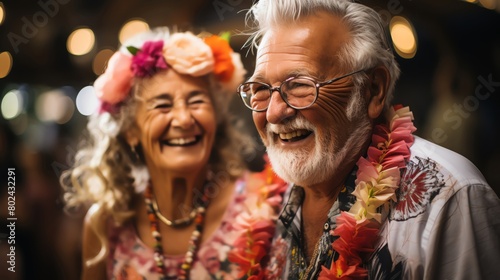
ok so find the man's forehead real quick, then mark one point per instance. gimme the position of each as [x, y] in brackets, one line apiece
[306, 43]
[320, 27]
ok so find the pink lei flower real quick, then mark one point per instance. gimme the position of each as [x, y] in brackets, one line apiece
[257, 224]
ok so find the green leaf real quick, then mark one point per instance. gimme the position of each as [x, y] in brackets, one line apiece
[225, 35]
[133, 50]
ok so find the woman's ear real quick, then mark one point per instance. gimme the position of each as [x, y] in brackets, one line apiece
[379, 79]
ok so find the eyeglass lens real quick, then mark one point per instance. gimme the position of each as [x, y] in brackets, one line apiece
[297, 92]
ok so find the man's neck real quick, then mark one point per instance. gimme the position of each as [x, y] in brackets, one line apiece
[314, 215]
[318, 200]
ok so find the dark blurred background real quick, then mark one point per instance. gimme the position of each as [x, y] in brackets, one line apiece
[448, 50]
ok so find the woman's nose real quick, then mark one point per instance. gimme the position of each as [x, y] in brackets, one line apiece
[182, 117]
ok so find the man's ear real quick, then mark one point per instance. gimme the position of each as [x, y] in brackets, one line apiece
[376, 91]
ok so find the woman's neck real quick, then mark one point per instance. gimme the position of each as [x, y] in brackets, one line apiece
[175, 193]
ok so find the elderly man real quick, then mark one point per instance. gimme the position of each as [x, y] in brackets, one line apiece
[369, 199]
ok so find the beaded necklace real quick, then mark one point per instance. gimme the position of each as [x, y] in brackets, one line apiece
[194, 241]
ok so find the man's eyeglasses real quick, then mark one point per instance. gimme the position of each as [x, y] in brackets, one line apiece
[298, 92]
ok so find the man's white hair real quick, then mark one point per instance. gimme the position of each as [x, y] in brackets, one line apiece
[369, 45]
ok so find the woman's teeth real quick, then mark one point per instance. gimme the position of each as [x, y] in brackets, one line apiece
[181, 141]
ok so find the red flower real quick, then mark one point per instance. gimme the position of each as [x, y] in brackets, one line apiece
[341, 270]
[149, 59]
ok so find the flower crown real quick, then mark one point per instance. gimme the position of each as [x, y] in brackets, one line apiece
[183, 52]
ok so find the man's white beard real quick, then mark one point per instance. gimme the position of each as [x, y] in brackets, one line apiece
[306, 168]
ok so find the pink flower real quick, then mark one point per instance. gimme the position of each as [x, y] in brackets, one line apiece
[251, 247]
[356, 240]
[188, 54]
[114, 85]
[149, 59]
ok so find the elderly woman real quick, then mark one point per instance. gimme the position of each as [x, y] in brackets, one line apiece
[163, 173]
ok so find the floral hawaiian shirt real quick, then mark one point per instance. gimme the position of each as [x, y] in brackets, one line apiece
[444, 225]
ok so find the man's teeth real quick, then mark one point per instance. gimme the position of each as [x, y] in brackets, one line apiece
[293, 134]
[181, 141]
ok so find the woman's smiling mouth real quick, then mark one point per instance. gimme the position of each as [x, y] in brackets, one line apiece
[182, 141]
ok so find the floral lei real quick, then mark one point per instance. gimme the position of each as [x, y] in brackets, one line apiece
[184, 52]
[257, 223]
[377, 180]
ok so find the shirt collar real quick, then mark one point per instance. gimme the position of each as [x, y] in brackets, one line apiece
[296, 197]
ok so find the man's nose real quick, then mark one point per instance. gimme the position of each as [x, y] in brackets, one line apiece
[278, 110]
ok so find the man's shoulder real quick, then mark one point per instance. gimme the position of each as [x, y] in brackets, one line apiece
[453, 166]
[432, 176]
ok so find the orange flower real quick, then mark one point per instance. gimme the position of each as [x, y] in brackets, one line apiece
[224, 67]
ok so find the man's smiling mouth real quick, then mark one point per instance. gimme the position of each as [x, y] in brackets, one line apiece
[295, 135]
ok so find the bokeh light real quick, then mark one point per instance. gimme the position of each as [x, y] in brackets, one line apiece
[403, 37]
[131, 28]
[5, 64]
[100, 60]
[86, 101]
[12, 104]
[488, 4]
[80, 41]
[54, 106]
[2, 13]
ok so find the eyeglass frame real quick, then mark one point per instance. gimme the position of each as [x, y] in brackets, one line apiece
[278, 89]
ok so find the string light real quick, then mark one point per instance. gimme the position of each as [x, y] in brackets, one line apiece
[131, 28]
[80, 41]
[100, 60]
[2, 13]
[12, 104]
[86, 101]
[488, 4]
[5, 64]
[403, 37]
[54, 106]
